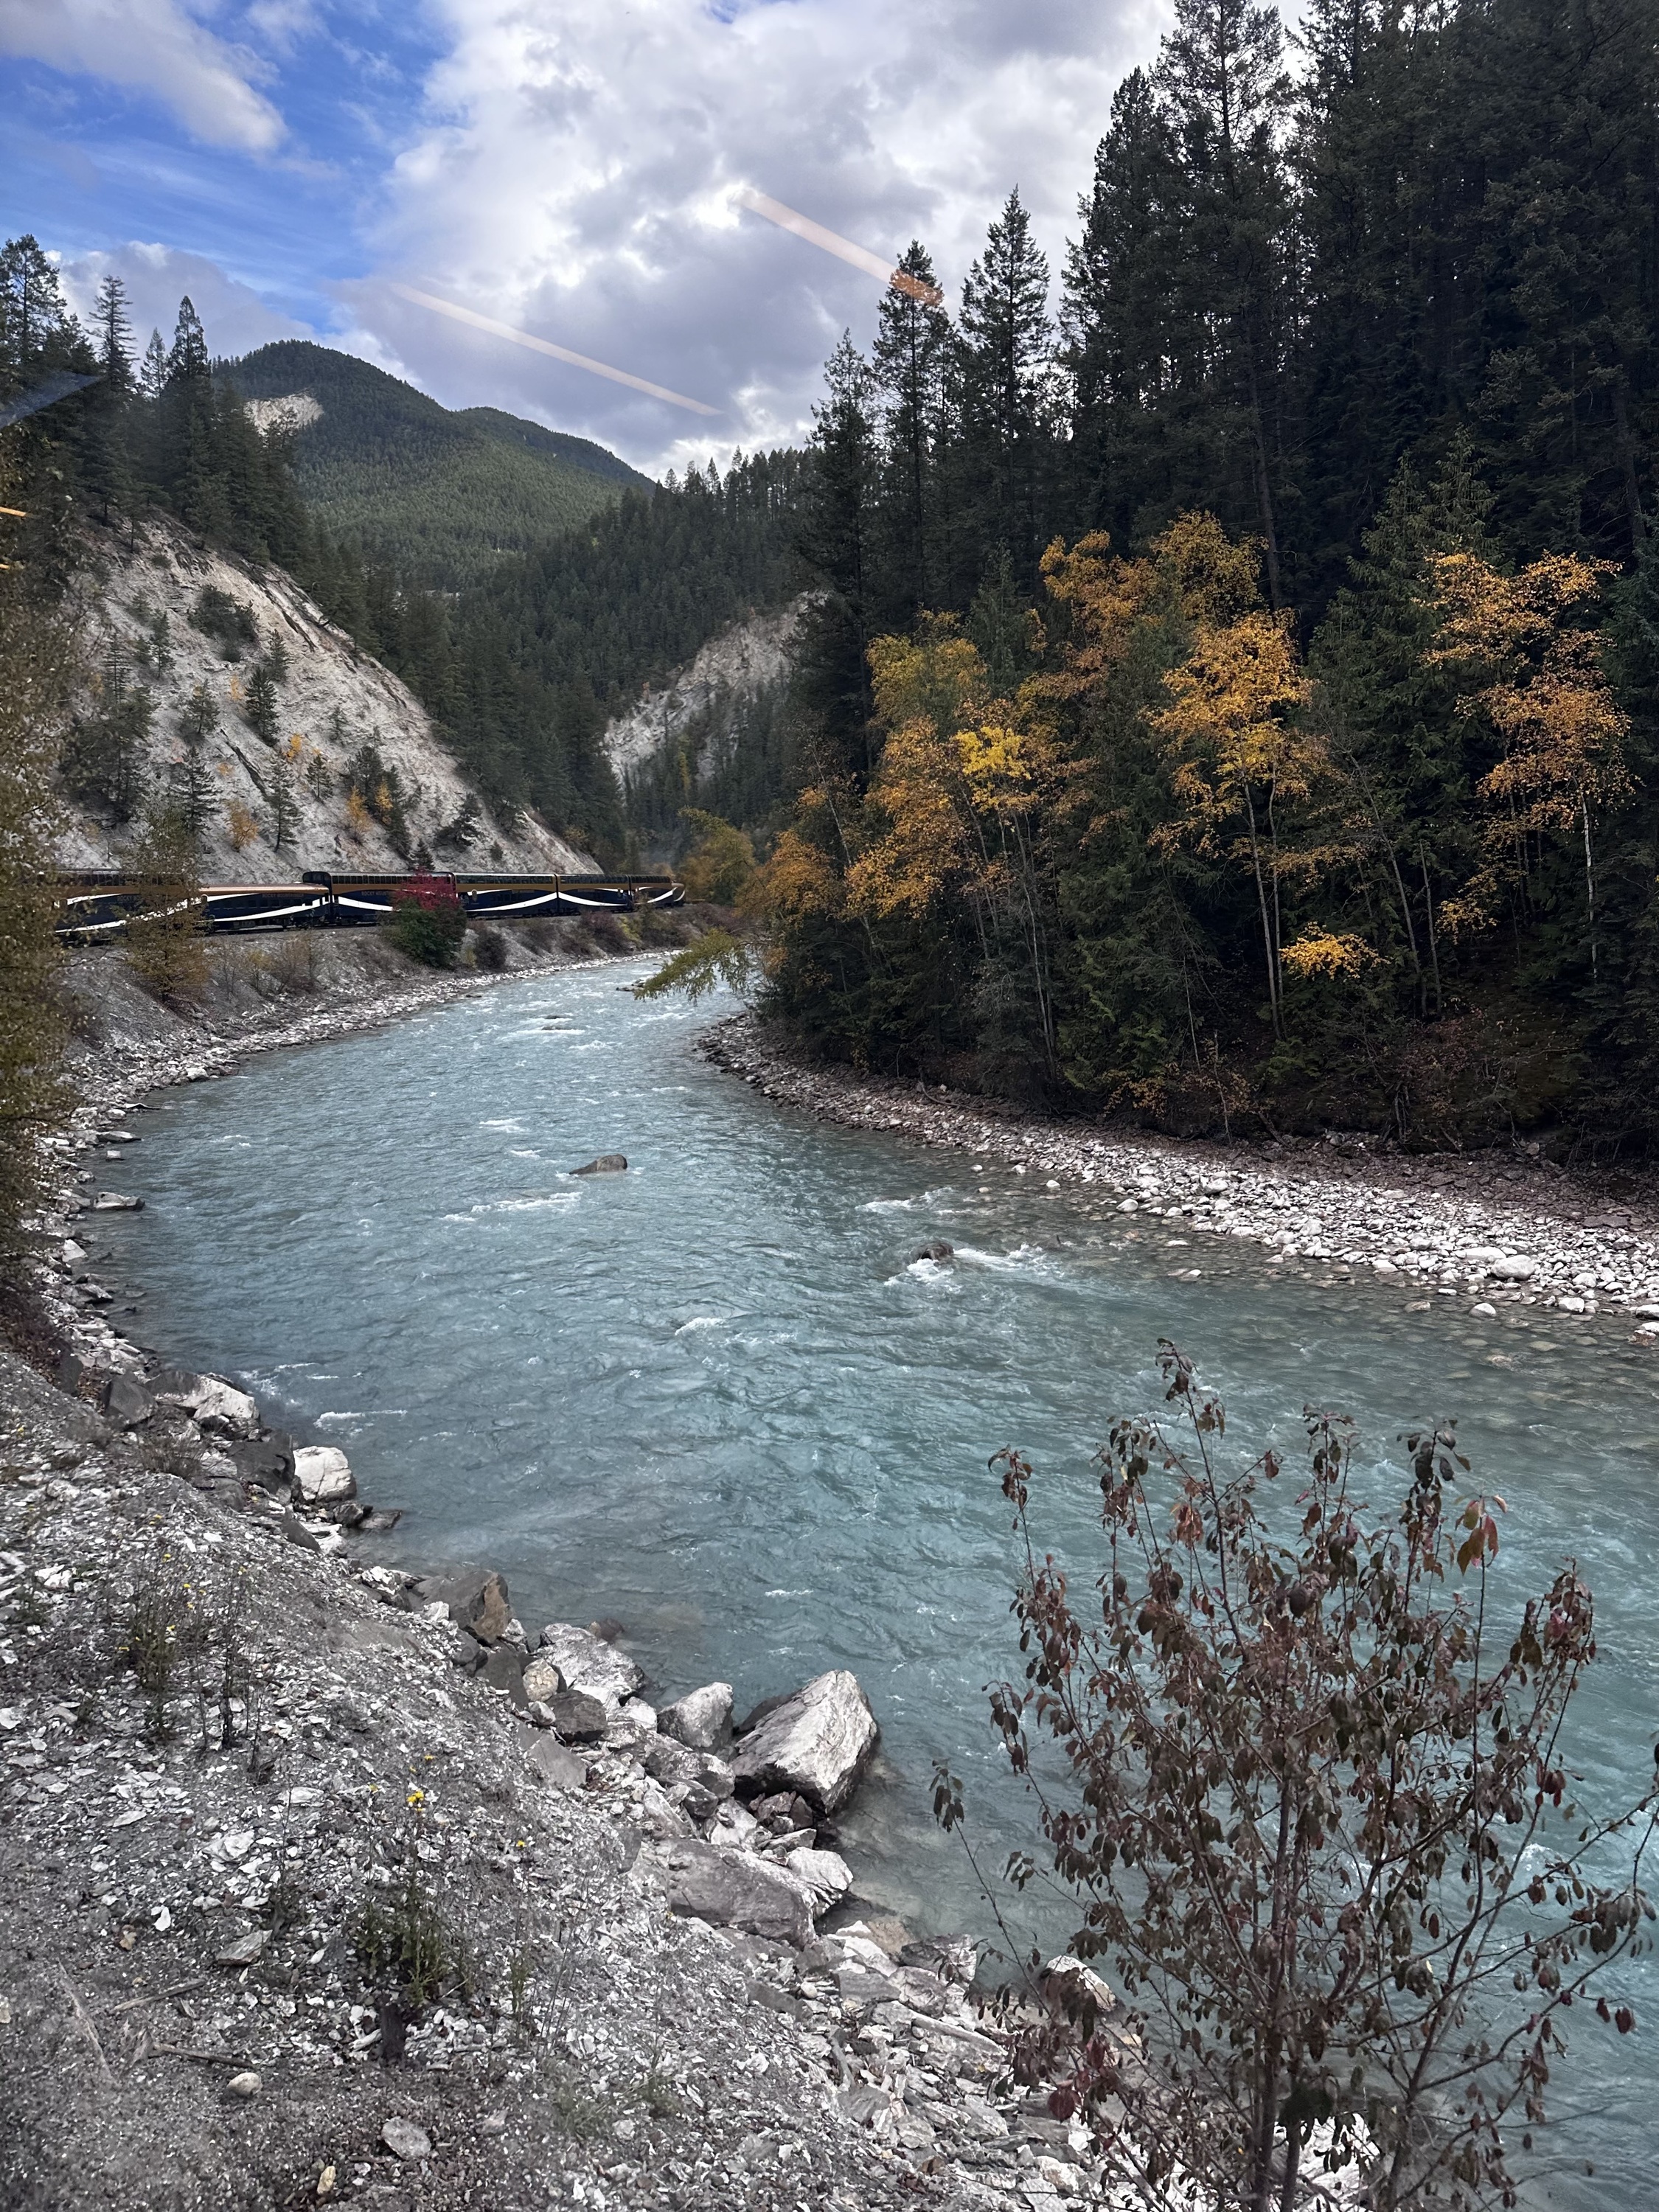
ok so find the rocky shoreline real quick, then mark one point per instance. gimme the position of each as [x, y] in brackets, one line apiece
[1475, 1233]
[333, 1883]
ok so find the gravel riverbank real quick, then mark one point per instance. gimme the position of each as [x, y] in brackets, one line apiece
[327, 1884]
[1480, 1232]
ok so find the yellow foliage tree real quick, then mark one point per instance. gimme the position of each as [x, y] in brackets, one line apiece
[244, 825]
[1545, 697]
[1237, 757]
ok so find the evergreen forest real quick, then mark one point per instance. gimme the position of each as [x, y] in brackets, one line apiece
[1234, 697]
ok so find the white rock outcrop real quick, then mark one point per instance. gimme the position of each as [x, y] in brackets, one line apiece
[817, 1743]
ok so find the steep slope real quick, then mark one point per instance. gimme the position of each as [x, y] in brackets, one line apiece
[444, 495]
[368, 785]
[716, 735]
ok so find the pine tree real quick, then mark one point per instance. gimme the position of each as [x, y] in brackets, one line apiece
[911, 359]
[109, 470]
[1008, 396]
[197, 725]
[261, 704]
[1222, 84]
[838, 538]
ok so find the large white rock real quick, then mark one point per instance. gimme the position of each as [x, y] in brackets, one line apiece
[817, 1742]
[588, 1662]
[733, 1890]
[701, 1718]
[213, 1403]
[1514, 1267]
[322, 1475]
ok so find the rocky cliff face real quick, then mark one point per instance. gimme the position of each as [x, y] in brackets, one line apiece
[731, 670]
[352, 762]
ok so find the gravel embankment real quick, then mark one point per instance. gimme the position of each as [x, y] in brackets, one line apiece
[1483, 1231]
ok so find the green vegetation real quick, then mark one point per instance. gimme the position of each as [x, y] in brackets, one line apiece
[1239, 703]
[37, 667]
[1302, 1773]
[438, 496]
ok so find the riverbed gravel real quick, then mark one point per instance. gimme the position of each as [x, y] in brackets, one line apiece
[1512, 1228]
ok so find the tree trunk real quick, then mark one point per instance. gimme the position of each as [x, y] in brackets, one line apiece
[1269, 948]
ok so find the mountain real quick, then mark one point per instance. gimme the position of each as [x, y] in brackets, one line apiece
[441, 494]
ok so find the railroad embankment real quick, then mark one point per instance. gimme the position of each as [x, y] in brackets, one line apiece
[1479, 1233]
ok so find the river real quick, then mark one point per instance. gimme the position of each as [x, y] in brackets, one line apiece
[717, 1399]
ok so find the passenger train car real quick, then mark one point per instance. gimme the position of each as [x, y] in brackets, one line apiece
[99, 903]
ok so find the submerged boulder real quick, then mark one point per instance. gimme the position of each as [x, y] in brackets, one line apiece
[817, 1742]
[606, 1163]
[939, 1252]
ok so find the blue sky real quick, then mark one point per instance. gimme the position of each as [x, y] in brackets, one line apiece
[567, 167]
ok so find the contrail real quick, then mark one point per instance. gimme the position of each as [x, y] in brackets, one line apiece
[843, 248]
[546, 345]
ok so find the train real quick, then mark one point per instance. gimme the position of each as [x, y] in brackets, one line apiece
[99, 902]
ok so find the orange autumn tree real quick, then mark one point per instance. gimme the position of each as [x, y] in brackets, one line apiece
[1541, 690]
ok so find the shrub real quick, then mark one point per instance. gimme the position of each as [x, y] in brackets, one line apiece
[1317, 1813]
[428, 922]
[228, 622]
[489, 947]
[719, 864]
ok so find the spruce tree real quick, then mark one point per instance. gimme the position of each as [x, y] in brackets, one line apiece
[911, 358]
[1007, 385]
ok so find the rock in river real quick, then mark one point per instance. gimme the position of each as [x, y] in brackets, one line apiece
[588, 1662]
[477, 1599]
[701, 1719]
[322, 1475]
[817, 1742]
[606, 1163]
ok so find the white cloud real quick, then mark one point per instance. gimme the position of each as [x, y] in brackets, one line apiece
[156, 47]
[234, 316]
[574, 176]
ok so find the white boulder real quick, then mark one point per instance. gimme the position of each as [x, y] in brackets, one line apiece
[588, 1662]
[817, 1742]
[701, 1719]
[322, 1475]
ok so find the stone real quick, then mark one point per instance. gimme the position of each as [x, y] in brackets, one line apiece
[734, 1891]
[245, 1950]
[588, 1662]
[1484, 1312]
[113, 1201]
[784, 1814]
[245, 2085]
[1077, 1990]
[405, 2140]
[478, 1600]
[668, 1762]
[542, 1677]
[503, 1671]
[322, 1475]
[701, 1719]
[631, 1727]
[824, 1877]
[578, 1717]
[267, 1461]
[208, 1399]
[606, 1163]
[1064, 2179]
[817, 1743]
[125, 1404]
[939, 1252]
[565, 1770]
[294, 1531]
[1514, 1267]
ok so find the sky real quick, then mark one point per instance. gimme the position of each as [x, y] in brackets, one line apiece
[568, 167]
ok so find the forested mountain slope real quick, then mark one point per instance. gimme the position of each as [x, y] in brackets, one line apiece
[1239, 701]
[439, 495]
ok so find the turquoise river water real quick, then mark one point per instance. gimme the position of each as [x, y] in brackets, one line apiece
[716, 1399]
